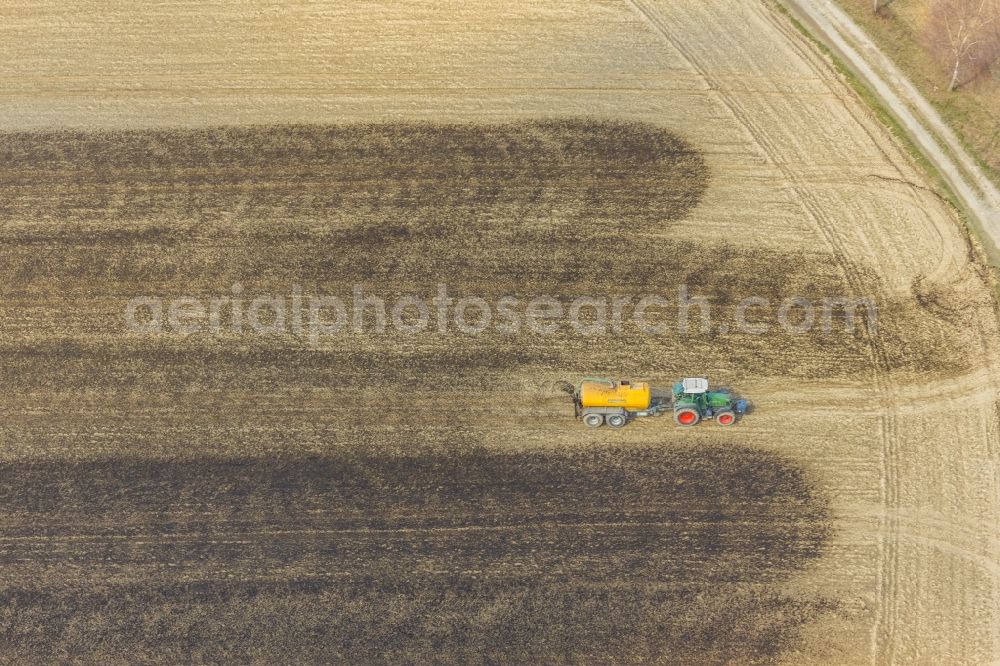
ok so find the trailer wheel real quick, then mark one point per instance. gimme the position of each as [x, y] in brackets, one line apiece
[725, 417]
[616, 420]
[593, 420]
[687, 416]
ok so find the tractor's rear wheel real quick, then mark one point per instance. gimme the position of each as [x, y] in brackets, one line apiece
[725, 417]
[687, 416]
[593, 420]
[616, 420]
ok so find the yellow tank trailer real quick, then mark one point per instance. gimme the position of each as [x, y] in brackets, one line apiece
[600, 401]
[628, 395]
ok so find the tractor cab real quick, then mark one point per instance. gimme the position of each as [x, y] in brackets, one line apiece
[694, 385]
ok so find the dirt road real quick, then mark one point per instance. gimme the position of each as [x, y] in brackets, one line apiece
[224, 494]
[937, 141]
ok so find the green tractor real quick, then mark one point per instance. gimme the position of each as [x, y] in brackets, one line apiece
[693, 402]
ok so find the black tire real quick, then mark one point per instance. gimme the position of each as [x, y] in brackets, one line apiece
[593, 420]
[616, 420]
[686, 416]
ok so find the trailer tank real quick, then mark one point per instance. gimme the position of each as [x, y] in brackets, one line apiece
[627, 395]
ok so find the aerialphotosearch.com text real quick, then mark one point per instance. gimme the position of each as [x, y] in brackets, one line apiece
[315, 317]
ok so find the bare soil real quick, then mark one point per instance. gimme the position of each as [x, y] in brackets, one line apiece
[444, 557]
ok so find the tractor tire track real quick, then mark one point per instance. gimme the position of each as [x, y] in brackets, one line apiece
[886, 581]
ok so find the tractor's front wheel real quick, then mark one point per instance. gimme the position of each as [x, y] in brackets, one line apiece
[687, 416]
[725, 417]
[593, 420]
[616, 420]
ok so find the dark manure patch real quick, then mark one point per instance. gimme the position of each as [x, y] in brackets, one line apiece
[403, 175]
[600, 555]
[564, 207]
[196, 210]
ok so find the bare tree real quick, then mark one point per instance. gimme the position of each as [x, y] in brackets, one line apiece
[965, 37]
